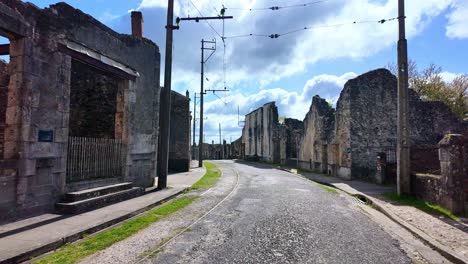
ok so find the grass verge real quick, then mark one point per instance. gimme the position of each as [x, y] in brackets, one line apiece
[421, 205]
[210, 178]
[327, 188]
[75, 252]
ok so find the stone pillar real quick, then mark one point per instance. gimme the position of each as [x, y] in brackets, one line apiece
[451, 156]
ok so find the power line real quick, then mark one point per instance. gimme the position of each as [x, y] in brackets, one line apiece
[382, 21]
[275, 8]
[206, 20]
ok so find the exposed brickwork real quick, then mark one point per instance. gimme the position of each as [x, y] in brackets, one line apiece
[93, 101]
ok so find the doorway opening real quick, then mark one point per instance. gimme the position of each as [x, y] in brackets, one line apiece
[96, 149]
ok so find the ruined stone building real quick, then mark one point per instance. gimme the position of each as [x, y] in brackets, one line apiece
[358, 139]
[349, 141]
[237, 149]
[259, 134]
[290, 133]
[79, 107]
[179, 138]
[318, 126]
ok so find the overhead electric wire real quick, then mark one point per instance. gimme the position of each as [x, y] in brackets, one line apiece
[196, 8]
[274, 8]
[309, 28]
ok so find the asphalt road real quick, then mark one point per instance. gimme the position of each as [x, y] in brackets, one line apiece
[273, 216]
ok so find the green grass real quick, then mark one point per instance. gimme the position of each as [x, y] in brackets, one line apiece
[327, 188]
[210, 178]
[75, 252]
[421, 205]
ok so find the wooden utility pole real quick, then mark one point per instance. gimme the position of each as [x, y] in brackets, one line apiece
[403, 151]
[221, 143]
[164, 117]
[202, 92]
[194, 121]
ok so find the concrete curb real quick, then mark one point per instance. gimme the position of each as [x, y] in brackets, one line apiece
[443, 250]
[74, 237]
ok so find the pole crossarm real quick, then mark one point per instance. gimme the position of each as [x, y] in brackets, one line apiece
[197, 19]
[223, 90]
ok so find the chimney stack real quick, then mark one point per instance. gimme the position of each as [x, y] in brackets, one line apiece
[137, 24]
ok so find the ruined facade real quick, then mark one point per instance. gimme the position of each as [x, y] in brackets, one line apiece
[318, 127]
[350, 141]
[289, 138]
[237, 149]
[179, 142]
[259, 134]
[57, 55]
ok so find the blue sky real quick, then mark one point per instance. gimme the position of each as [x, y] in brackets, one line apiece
[292, 68]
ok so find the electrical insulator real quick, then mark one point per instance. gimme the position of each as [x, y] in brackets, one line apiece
[223, 11]
[177, 21]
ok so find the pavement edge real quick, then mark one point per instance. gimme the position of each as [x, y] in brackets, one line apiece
[443, 250]
[26, 256]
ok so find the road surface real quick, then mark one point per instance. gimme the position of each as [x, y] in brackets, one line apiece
[271, 216]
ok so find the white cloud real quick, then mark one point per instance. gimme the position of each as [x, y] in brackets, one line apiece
[290, 104]
[268, 60]
[449, 76]
[261, 61]
[458, 20]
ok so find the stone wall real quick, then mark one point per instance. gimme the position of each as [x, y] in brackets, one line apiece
[260, 134]
[4, 80]
[237, 149]
[179, 142]
[372, 120]
[42, 44]
[93, 101]
[447, 188]
[290, 138]
[347, 142]
[318, 128]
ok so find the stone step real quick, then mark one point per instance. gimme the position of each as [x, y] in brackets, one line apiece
[98, 202]
[96, 192]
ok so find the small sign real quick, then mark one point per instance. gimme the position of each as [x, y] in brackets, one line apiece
[348, 150]
[46, 136]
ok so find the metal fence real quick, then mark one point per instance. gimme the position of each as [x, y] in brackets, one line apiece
[95, 158]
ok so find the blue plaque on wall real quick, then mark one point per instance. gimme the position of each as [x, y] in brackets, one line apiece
[46, 136]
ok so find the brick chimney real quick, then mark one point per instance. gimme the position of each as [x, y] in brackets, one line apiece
[137, 24]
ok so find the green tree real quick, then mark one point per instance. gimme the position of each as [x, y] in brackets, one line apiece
[430, 86]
